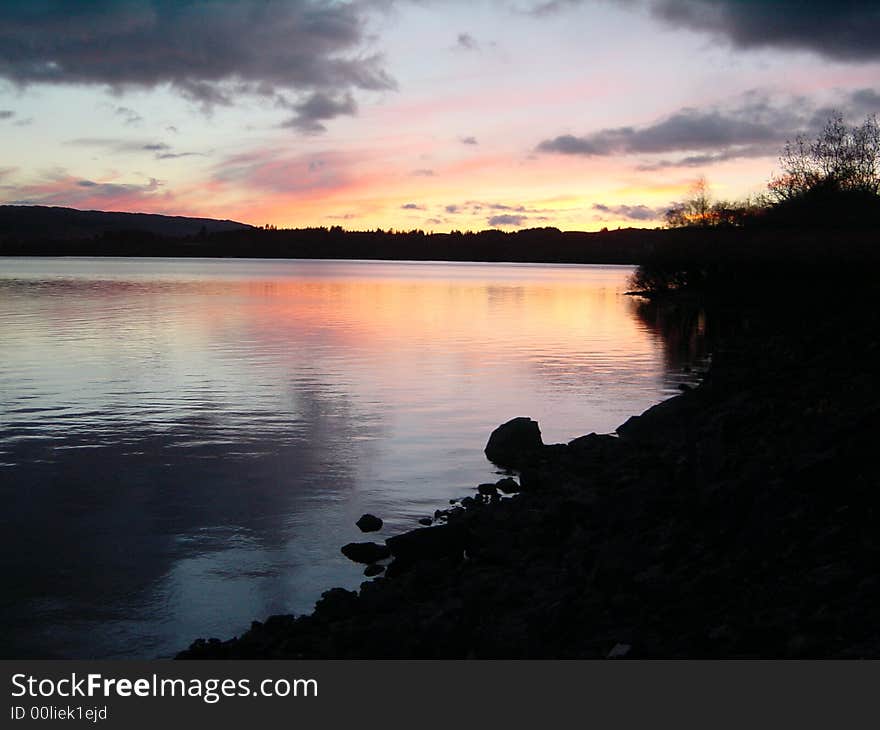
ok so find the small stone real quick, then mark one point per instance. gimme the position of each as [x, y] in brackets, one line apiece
[426, 521]
[369, 523]
[487, 489]
[373, 569]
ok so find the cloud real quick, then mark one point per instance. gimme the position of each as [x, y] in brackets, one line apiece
[467, 42]
[318, 108]
[863, 102]
[130, 116]
[503, 206]
[687, 129]
[469, 140]
[210, 52]
[424, 172]
[6, 171]
[67, 190]
[175, 155]
[551, 7]
[452, 209]
[847, 30]
[496, 221]
[755, 126]
[268, 171]
[160, 150]
[711, 158]
[6, 114]
[631, 212]
[411, 206]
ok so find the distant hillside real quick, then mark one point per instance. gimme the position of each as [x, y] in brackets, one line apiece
[37, 222]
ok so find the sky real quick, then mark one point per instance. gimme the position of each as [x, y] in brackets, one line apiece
[418, 114]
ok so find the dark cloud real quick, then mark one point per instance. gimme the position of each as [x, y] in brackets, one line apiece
[452, 209]
[318, 108]
[754, 127]
[688, 129]
[6, 114]
[863, 102]
[210, 52]
[711, 158]
[847, 30]
[497, 221]
[469, 140]
[631, 212]
[411, 206]
[467, 42]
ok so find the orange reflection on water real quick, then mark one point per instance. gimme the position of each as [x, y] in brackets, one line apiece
[486, 306]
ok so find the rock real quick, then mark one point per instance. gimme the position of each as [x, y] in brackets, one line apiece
[511, 443]
[427, 542]
[365, 552]
[336, 603]
[487, 489]
[530, 479]
[426, 521]
[373, 569]
[369, 523]
[507, 485]
[592, 442]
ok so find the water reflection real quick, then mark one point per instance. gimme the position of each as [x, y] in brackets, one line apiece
[186, 444]
[682, 327]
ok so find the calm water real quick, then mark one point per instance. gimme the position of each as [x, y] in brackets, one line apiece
[185, 444]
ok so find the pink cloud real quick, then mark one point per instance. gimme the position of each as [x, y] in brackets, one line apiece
[63, 189]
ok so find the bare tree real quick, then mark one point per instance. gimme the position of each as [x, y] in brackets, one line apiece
[693, 210]
[840, 159]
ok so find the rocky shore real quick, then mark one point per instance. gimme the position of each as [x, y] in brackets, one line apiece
[738, 519]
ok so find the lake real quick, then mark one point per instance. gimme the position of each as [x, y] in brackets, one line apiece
[185, 444]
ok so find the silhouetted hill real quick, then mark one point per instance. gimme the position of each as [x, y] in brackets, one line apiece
[42, 223]
[35, 237]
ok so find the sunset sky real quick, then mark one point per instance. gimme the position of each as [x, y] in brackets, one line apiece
[432, 114]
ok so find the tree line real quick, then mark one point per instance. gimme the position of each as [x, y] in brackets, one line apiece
[833, 178]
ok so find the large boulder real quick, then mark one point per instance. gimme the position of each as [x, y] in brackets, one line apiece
[427, 543]
[365, 552]
[512, 443]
